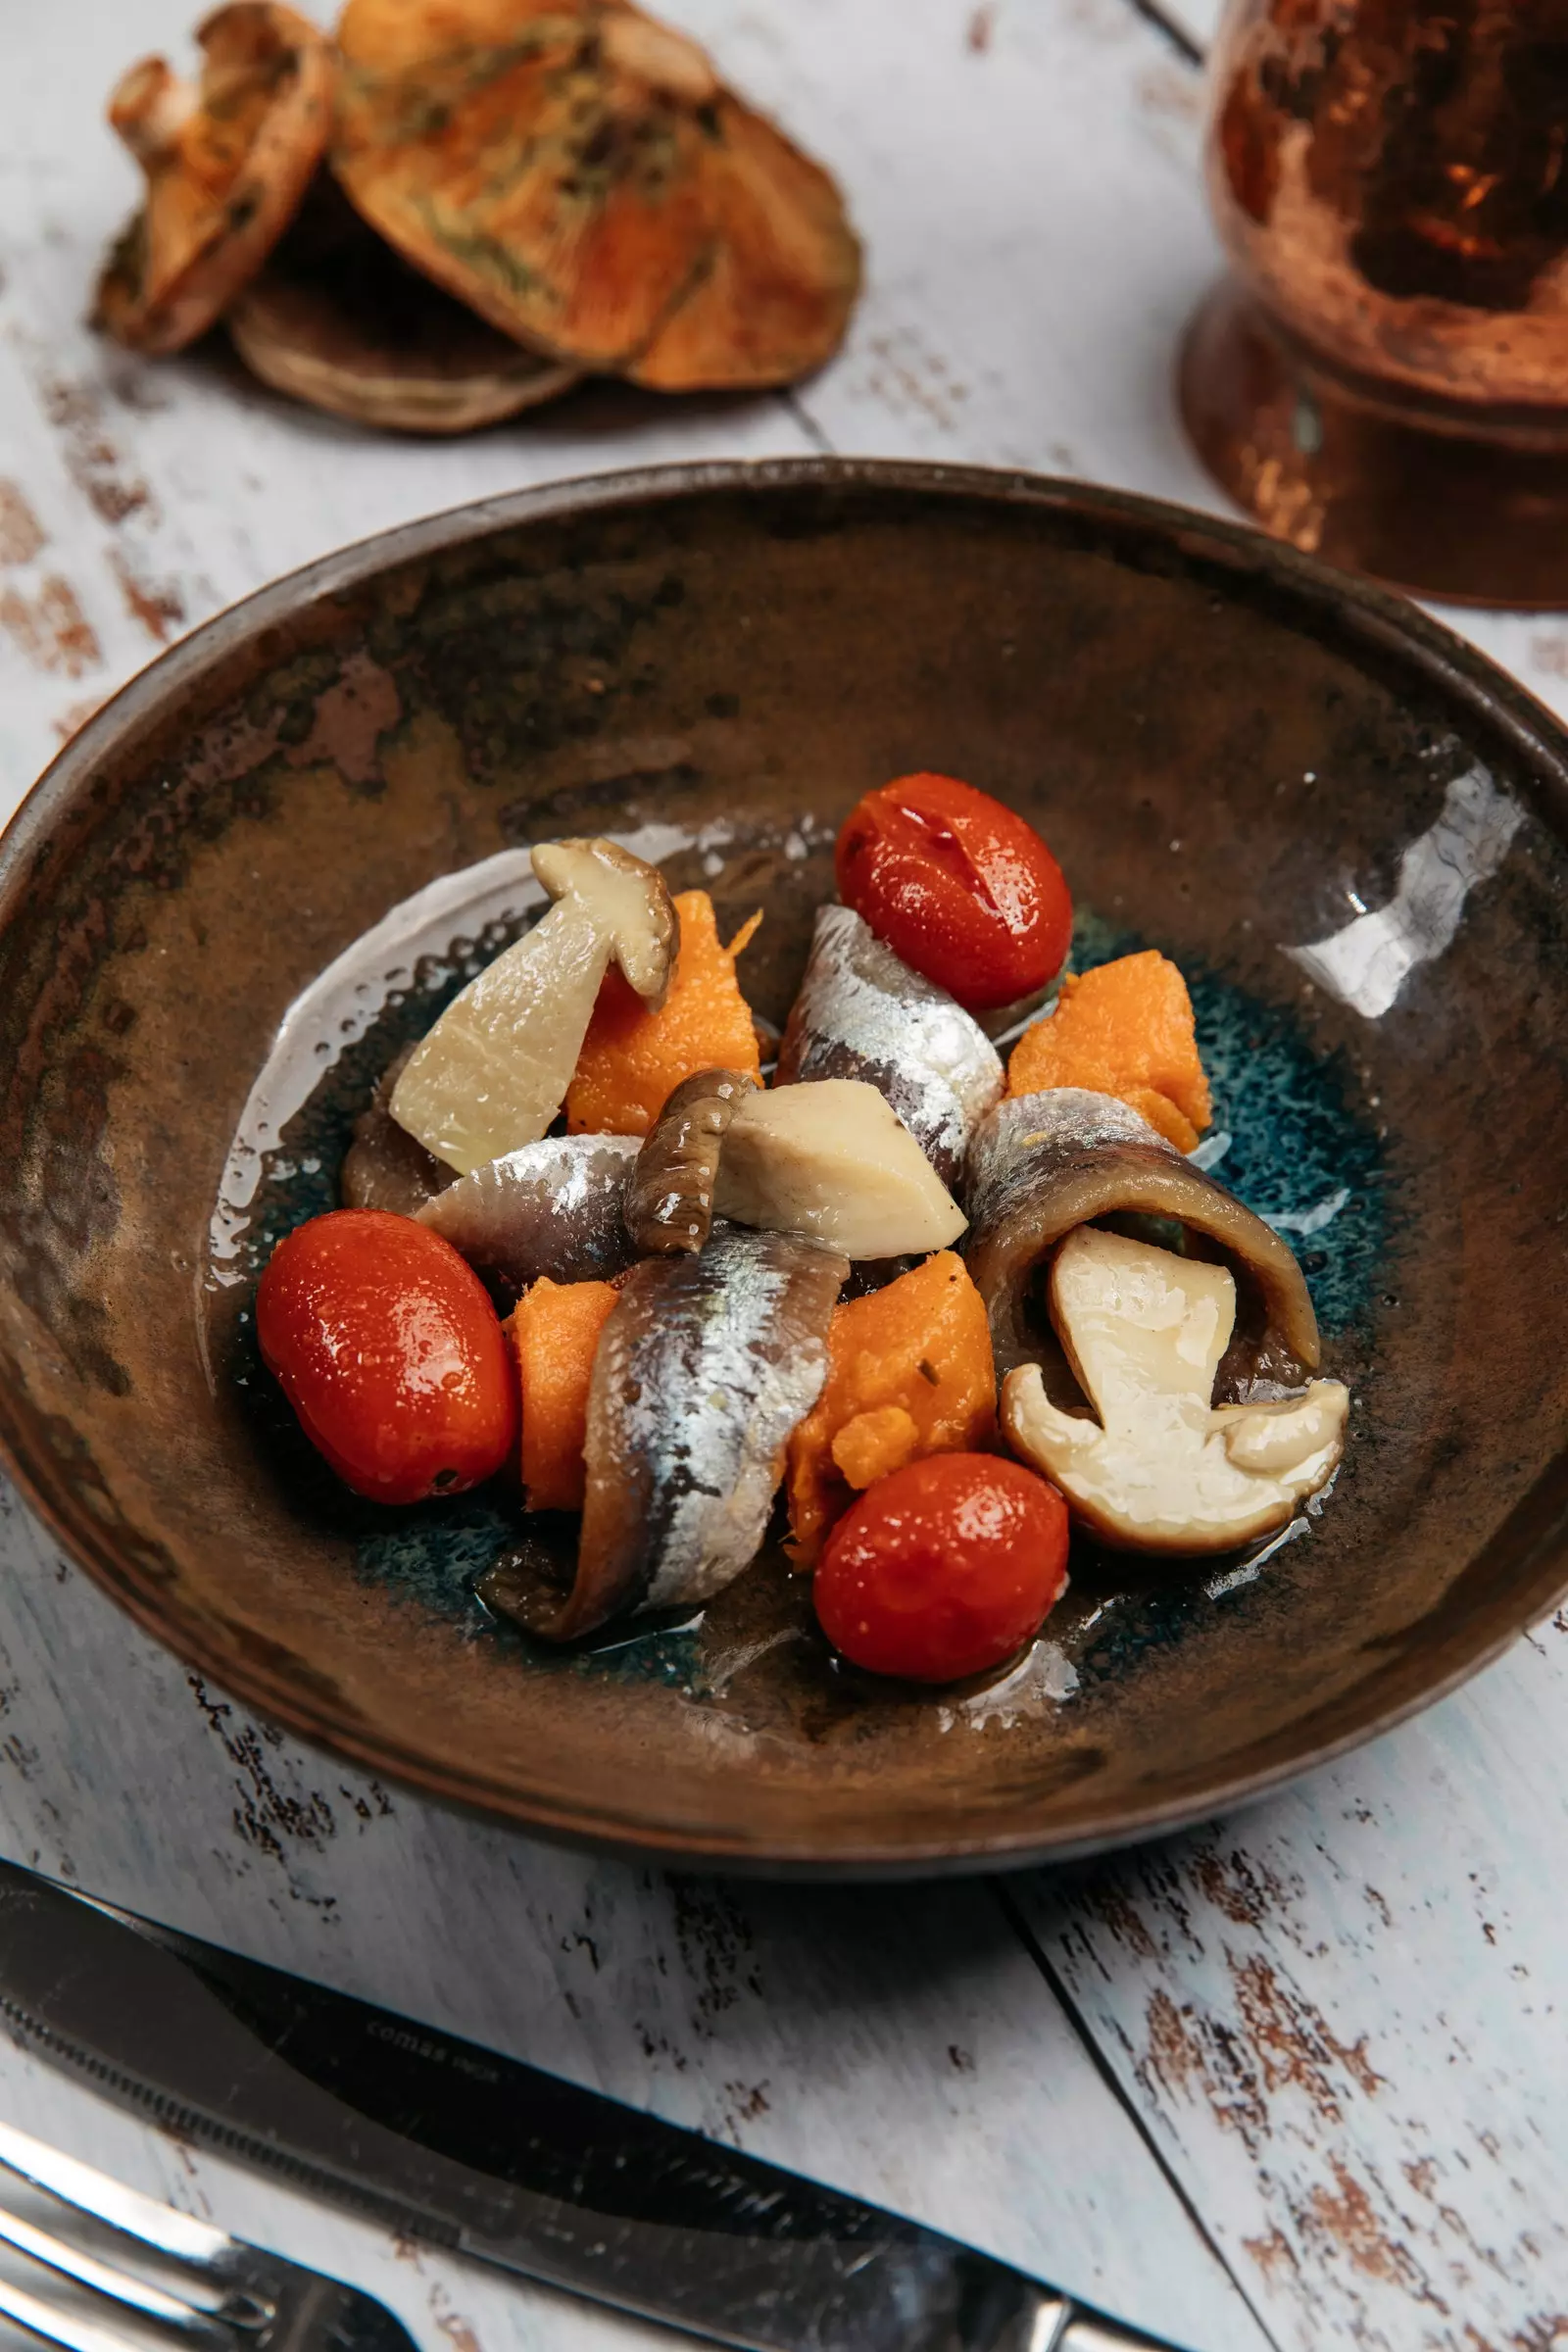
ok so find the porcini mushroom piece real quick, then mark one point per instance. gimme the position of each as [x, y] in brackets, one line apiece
[833, 1162]
[1159, 1470]
[704, 1366]
[1041, 1164]
[669, 1200]
[555, 1207]
[226, 162]
[631, 900]
[493, 1072]
[578, 173]
[861, 1013]
[339, 320]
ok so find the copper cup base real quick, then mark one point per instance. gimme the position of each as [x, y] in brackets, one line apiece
[1438, 511]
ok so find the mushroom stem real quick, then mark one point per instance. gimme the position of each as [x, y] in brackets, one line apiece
[669, 1202]
[660, 58]
[832, 1162]
[149, 107]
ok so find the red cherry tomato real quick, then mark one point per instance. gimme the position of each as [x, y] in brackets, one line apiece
[958, 886]
[390, 1353]
[944, 1568]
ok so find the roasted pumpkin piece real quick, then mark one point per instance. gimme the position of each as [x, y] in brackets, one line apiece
[632, 1060]
[555, 1336]
[1124, 1029]
[577, 173]
[909, 1373]
[226, 161]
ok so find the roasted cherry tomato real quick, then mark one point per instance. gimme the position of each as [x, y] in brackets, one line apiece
[944, 1568]
[958, 886]
[390, 1353]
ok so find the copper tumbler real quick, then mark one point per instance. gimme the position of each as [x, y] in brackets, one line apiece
[1384, 378]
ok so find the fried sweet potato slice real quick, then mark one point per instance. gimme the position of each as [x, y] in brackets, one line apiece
[577, 173]
[227, 161]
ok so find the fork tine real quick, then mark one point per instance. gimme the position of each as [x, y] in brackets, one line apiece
[71, 2330]
[57, 2255]
[157, 2225]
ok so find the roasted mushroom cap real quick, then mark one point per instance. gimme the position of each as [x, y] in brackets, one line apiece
[578, 173]
[226, 162]
[339, 320]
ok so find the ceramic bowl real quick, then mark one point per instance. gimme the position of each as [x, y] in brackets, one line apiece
[1346, 825]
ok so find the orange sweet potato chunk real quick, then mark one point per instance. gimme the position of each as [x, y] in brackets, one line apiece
[1124, 1029]
[911, 1372]
[632, 1060]
[554, 1335]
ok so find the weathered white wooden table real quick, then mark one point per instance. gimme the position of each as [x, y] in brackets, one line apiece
[1301, 2079]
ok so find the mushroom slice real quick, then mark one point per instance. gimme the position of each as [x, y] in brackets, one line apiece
[578, 173]
[1161, 1470]
[385, 1168]
[862, 1013]
[493, 1072]
[832, 1161]
[669, 1202]
[1041, 1164]
[555, 1207]
[704, 1366]
[629, 900]
[227, 163]
[339, 320]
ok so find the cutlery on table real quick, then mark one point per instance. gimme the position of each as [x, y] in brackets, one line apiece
[443, 2140]
[91, 2266]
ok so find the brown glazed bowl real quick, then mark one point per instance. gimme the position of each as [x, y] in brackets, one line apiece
[1234, 753]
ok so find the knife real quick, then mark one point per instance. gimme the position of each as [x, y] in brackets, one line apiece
[442, 2140]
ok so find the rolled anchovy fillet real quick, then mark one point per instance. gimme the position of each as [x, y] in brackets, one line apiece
[1041, 1164]
[669, 1200]
[555, 1207]
[386, 1168]
[704, 1366]
[862, 1013]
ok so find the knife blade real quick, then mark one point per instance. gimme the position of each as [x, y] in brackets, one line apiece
[442, 2140]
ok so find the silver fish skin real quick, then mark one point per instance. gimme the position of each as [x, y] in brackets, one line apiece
[861, 1013]
[1042, 1163]
[1030, 1137]
[555, 1207]
[704, 1366]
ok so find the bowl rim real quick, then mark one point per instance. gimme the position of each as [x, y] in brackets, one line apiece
[1365, 613]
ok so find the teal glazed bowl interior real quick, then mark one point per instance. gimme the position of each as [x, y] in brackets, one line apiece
[1346, 827]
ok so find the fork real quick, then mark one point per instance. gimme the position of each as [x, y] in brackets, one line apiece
[91, 2266]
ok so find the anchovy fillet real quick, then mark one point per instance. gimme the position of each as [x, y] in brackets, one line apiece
[862, 1013]
[1041, 1164]
[555, 1207]
[706, 1365]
